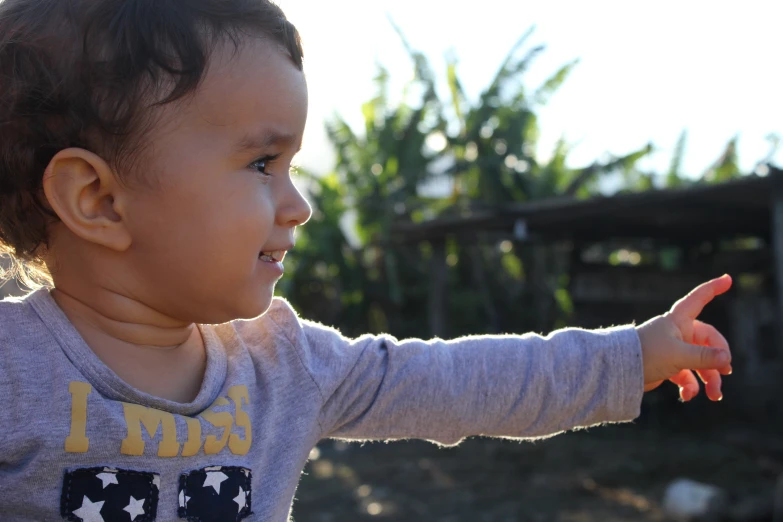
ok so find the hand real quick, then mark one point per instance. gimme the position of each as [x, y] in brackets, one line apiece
[675, 343]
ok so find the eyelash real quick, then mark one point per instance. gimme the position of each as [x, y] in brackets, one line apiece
[266, 160]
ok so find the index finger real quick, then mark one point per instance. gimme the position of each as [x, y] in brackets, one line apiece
[690, 306]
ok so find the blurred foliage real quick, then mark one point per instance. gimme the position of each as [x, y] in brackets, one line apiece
[421, 156]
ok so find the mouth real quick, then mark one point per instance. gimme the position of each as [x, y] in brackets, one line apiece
[274, 256]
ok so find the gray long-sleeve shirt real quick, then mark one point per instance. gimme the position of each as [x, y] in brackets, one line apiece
[76, 442]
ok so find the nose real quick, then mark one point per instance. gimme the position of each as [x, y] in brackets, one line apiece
[293, 209]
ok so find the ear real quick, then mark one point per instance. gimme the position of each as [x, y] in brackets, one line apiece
[84, 192]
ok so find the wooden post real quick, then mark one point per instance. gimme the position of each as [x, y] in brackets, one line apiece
[438, 287]
[542, 296]
[482, 287]
[777, 248]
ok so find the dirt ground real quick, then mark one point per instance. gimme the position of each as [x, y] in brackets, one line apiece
[614, 473]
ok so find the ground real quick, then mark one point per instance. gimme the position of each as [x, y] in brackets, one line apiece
[613, 473]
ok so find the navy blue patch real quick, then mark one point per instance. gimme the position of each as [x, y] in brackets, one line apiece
[103, 494]
[215, 494]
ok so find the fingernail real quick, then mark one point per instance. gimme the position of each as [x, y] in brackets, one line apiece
[720, 398]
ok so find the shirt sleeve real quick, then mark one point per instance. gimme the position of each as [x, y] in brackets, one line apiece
[529, 386]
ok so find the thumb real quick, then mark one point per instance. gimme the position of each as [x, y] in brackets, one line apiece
[695, 357]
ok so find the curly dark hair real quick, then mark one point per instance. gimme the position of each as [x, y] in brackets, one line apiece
[84, 73]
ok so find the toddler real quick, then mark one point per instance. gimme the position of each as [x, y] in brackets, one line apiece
[145, 148]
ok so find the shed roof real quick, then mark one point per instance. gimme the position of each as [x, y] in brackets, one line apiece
[707, 211]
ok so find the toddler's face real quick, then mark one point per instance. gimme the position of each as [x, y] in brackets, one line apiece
[223, 194]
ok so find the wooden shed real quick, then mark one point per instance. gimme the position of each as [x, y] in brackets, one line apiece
[691, 233]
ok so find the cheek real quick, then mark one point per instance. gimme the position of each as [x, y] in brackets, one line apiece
[230, 226]
[211, 222]
[168, 218]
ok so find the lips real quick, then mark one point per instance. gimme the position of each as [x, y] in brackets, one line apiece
[274, 256]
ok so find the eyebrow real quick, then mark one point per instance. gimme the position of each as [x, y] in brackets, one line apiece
[265, 140]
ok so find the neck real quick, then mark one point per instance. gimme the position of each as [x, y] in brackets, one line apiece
[123, 319]
[141, 345]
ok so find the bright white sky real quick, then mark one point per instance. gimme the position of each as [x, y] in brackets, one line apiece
[648, 69]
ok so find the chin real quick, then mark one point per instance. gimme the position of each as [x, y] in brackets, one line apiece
[254, 305]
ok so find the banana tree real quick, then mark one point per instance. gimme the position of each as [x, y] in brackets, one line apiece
[485, 152]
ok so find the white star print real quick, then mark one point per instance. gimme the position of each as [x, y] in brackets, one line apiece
[241, 499]
[183, 500]
[214, 479]
[90, 511]
[156, 481]
[107, 478]
[135, 508]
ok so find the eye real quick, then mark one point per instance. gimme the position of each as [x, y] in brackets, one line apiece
[261, 164]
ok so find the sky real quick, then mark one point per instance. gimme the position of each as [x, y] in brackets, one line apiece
[647, 71]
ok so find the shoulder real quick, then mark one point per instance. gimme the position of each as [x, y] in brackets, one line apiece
[281, 313]
[18, 323]
[283, 321]
[20, 332]
[17, 305]
[278, 345]
[310, 336]
[30, 338]
[280, 323]
[281, 331]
